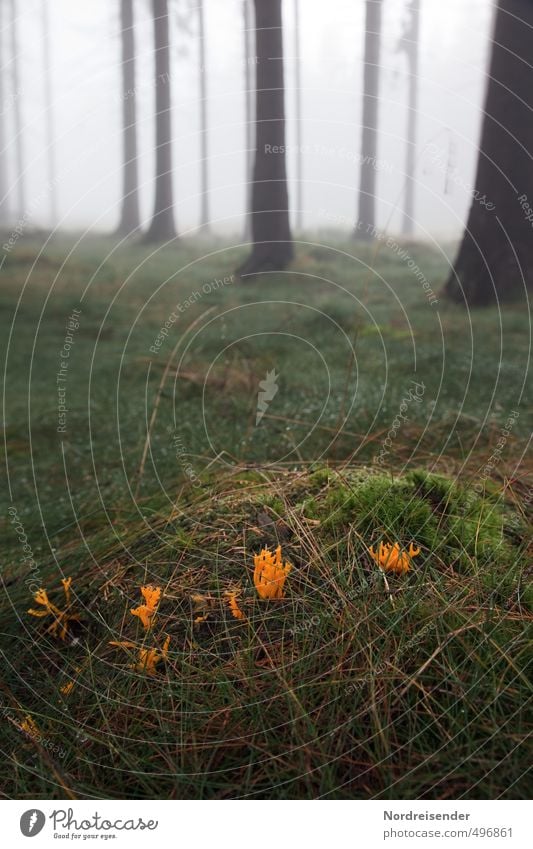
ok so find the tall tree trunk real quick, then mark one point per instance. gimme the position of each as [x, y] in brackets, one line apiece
[410, 45]
[4, 200]
[495, 260]
[272, 241]
[204, 130]
[369, 136]
[130, 221]
[19, 153]
[162, 226]
[248, 112]
[298, 87]
[50, 133]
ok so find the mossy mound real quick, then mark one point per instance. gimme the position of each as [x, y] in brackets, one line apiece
[355, 684]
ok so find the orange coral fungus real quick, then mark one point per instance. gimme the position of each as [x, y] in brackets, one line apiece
[66, 588]
[147, 659]
[199, 619]
[270, 574]
[67, 688]
[30, 727]
[236, 611]
[62, 618]
[146, 611]
[391, 558]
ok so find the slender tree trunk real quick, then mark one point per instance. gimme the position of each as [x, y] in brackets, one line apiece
[248, 112]
[4, 200]
[495, 260]
[204, 130]
[298, 87]
[411, 41]
[50, 133]
[162, 227]
[17, 93]
[271, 234]
[369, 136]
[130, 221]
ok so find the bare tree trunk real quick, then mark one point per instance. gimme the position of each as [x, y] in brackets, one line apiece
[298, 86]
[162, 227]
[17, 93]
[204, 130]
[4, 200]
[495, 260]
[130, 221]
[50, 133]
[411, 39]
[271, 234]
[369, 137]
[248, 112]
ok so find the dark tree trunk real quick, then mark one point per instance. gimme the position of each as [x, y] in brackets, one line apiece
[248, 112]
[369, 135]
[271, 234]
[19, 154]
[204, 130]
[298, 87]
[50, 132]
[130, 220]
[162, 227]
[4, 200]
[495, 260]
[410, 45]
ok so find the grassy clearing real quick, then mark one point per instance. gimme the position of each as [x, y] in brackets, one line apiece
[346, 342]
[349, 687]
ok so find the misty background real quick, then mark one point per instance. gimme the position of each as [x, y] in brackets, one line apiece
[86, 97]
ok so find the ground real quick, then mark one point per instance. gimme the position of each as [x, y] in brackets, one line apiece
[395, 417]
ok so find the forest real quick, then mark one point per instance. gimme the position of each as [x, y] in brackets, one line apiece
[265, 270]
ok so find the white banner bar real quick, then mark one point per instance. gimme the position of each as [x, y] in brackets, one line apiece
[267, 825]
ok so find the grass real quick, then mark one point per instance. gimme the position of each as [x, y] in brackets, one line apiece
[352, 686]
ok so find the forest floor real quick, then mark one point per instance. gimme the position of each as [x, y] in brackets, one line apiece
[327, 409]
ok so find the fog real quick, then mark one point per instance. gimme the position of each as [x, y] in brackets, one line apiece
[86, 112]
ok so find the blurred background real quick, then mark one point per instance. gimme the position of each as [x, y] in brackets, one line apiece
[64, 81]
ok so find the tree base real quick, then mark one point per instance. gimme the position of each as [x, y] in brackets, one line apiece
[361, 236]
[157, 237]
[259, 263]
[124, 231]
[499, 277]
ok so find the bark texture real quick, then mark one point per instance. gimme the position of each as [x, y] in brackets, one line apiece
[495, 259]
[369, 132]
[204, 128]
[410, 45]
[271, 235]
[129, 216]
[162, 228]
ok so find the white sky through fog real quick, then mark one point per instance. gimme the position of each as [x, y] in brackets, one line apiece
[87, 110]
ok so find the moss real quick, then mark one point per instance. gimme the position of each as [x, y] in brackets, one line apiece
[274, 503]
[309, 508]
[320, 477]
[377, 507]
[438, 489]
[463, 529]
